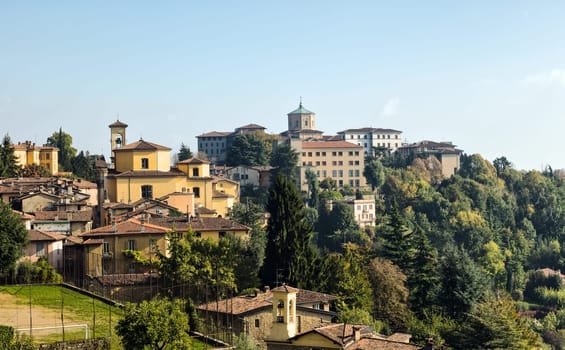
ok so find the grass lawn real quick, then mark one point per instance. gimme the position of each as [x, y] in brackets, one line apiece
[46, 305]
[77, 308]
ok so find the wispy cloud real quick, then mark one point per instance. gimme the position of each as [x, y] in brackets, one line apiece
[554, 77]
[391, 107]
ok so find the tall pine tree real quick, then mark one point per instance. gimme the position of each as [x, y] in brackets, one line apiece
[289, 257]
[8, 163]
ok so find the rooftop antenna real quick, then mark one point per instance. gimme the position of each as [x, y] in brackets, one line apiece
[300, 100]
[118, 116]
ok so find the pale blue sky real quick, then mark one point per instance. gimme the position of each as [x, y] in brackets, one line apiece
[487, 75]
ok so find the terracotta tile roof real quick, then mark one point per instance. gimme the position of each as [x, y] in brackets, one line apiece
[36, 235]
[71, 240]
[383, 344]
[307, 296]
[373, 130]
[93, 241]
[194, 160]
[201, 224]
[252, 126]
[123, 279]
[204, 210]
[287, 289]
[248, 303]
[24, 216]
[72, 215]
[215, 133]
[131, 226]
[84, 184]
[329, 144]
[118, 123]
[142, 145]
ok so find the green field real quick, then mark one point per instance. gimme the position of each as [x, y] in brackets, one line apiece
[47, 305]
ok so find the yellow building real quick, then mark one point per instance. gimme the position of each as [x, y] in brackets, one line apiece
[117, 242]
[143, 170]
[28, 153]
[339, 160]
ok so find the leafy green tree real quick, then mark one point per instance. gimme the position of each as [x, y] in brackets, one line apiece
[34, 170]
[63, 142]
[13, 238]
[462, 282]
[289, 248]
[501, 164]
[423, 278]
[285, 160]
[337, 227]
[313, 189]
[390, 295]
[249, 149]
[374, 173]
[495, 324]
[8, 162]
[157, 324]
[83, 166]
[398, 244]
[344, 275]
[184, 152]
[328, 184]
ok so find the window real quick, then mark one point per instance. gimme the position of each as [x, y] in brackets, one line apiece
[106, 248]
[323, 162]
[340, 162]
[317, 154]
[323, 154]
[256, 323]
[340, 173]
[303, 154]
[309, 154]
[131, 244]
[40, 248]
[222, 234]
[334, 154]
[350, 153]
[357, 173]
[356, 153]
[47, 156]
[317, 163]
[334, 173]
[324, 174]
[340, 183]
[144, 163]
[340, 154]
[351, 183]
[350, 173]
[196, 191]
[195, 172]
[334, 163]
[153, 245]
[147, 191]
[388, 136]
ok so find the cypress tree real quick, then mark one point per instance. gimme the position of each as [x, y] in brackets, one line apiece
[289, 257]
[8, 164]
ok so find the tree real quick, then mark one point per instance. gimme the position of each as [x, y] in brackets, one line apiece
[83, 166]
[249, 149]
[313, 189]
[398, 245]
[390, 294]
[374, 173]
[337, 227]
[501, 164]
[285, 160]
[157, 324]
[63, 142]
[289, 248]
[8, 161]
[462, 282]
[13, 238]
[34, 170]
[184, 152]
[495, 324]
[423, 279]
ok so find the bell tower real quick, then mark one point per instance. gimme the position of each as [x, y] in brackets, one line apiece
[284, 313]
[117, 137]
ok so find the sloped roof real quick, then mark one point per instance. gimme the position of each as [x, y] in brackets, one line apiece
[247, 303]
[287, 289]
[130, 226]
[328, 144]
[118, 123]
[252, 126]
[301, 110]
[194, 160]
[215, 133]
[37, 235]
[367, 130]
[142, 145]
[71, 215]
[201, 224]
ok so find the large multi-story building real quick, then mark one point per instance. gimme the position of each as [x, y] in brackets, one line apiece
[339, 160]
[28, 153]
[143, 170]
[373, 138]
[445, 152]
[216, 144]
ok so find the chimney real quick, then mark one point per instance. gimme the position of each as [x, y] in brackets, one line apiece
[356, 334]
[267, 289]
[142, 224]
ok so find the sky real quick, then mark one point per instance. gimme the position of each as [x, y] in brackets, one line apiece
[488, 76]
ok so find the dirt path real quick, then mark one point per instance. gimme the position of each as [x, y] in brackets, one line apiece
[18, 315]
